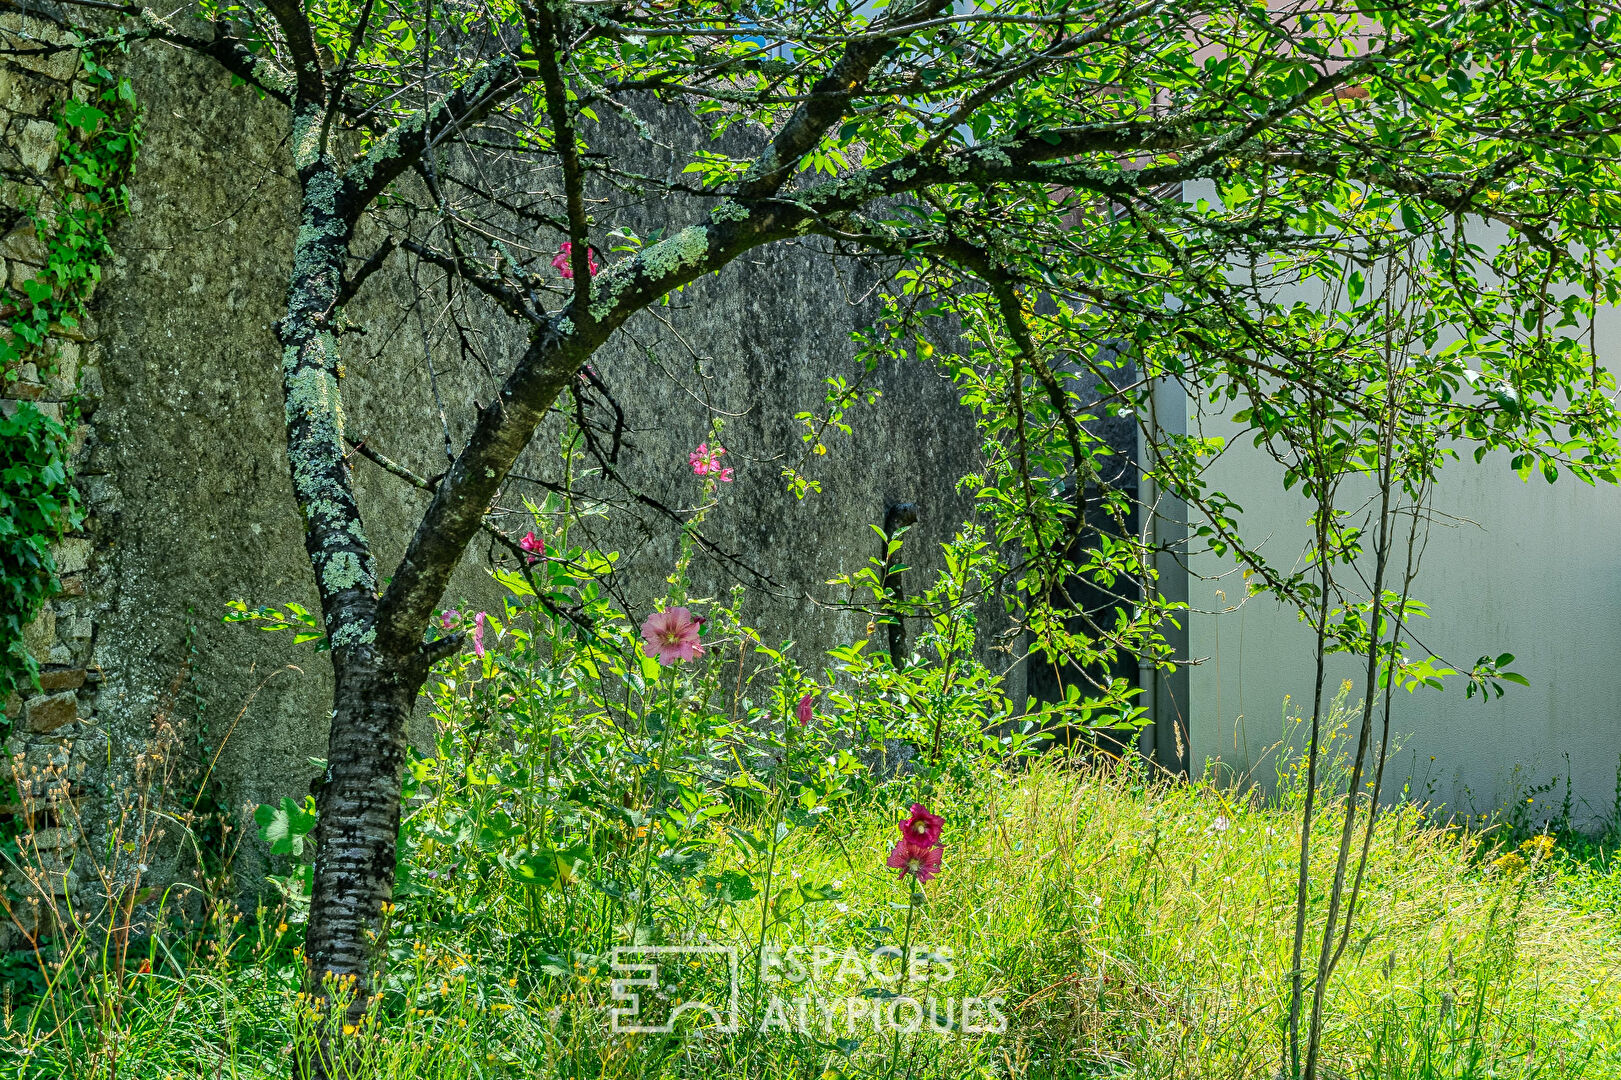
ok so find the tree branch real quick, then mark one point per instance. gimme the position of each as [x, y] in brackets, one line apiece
[308, 81]
[394, 468]
[495, 288]
[374, 262]
[543, 31]
[406, 144]
[829, 100]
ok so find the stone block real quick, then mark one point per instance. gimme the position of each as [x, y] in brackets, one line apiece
[40, 635]
[22, 245]
[46, 714]
[88, 754]
[72, 555]
[61, 882]
[34, 52]
[76, 627]
[24, 391]
[83, 330]
[20, 273]
[62, 679]
[32, 918]
[99, 492]
[63, 378]
[29, 97]
[56, 838]
[63, 65]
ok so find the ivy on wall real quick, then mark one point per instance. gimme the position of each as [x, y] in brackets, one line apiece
[97, 140]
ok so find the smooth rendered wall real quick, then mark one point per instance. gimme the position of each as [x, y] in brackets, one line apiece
[1529, 568]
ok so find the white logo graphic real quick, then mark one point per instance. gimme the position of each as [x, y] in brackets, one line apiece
[666, 981]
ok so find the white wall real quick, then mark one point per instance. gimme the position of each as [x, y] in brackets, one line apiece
[1538, 574]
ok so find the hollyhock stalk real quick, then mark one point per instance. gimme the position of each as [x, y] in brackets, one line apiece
[658, 768]
[914, 895]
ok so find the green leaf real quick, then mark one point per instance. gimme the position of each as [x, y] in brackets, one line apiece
[547, 869]
[284, 827]
[731, 887]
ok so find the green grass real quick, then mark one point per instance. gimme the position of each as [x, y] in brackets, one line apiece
[1128, 929]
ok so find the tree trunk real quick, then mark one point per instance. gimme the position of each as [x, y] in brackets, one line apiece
[356, 835]
[359, 823]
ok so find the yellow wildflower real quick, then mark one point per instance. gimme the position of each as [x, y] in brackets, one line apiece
[1538, 847]
[1511, 863]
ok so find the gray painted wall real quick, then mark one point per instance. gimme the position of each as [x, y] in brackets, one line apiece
[1511, 566]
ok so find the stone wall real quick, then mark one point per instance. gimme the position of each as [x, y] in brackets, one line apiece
[57, 732]
[182, 461]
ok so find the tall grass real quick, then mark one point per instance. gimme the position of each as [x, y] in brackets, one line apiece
[1128, 927]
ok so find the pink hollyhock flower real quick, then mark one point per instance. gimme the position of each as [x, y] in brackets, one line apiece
[918, 861]
[478, 635]
[705, 461]
[803, 711]
[534, 545]
[922, 828]
[449, 618]
[562, 261]
[672, 635]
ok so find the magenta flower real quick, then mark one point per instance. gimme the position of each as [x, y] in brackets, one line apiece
[562, 264]
[917, 861]
[922, 828]
[706, 461]
[672, 635]
[534, 545]
[478, 635]
[449, 618]
[803, 711]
